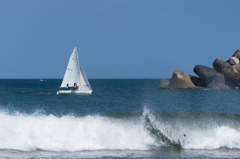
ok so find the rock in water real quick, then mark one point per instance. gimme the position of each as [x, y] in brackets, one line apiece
[223, 75]
[236, 54]
[197, 81]
[180, 80]
[237, 67]
[163, 84]
[210, 77]
[234, 61]
[231, 74]
[204, 72]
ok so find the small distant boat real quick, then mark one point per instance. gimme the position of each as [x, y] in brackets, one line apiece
[75, 81]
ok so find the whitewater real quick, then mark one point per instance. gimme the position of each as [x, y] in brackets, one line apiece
[95, 132]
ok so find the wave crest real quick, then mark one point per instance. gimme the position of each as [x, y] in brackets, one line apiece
[118, 132]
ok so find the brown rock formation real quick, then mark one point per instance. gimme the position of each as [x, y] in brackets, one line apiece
[163, 84]
[223, 75]
[181, 80]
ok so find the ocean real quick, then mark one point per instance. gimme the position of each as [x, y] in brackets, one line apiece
[123, 118]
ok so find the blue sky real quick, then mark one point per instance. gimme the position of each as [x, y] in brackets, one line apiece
[115, 38]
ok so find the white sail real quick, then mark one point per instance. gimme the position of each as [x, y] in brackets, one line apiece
[84, 84]
[75, 74]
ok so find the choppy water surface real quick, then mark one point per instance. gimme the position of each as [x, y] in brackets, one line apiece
[122, 118]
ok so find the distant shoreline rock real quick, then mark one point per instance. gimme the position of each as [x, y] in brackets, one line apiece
[223, 75]
[181, 80]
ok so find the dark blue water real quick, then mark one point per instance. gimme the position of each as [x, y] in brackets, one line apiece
[122, 118]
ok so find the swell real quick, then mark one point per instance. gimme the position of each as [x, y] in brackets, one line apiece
[119, 131]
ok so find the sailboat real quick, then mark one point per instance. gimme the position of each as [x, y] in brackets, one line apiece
[75, 81]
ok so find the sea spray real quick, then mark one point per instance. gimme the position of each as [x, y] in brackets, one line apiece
[69, 133]
[157, 131]
[215, 138]
[30, 132]
[193, 131]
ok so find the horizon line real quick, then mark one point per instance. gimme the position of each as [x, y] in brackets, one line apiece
[88, 78]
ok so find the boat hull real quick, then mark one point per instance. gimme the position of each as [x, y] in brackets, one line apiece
[86, 92]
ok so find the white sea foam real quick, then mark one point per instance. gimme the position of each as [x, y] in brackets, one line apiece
[215, 138]
[92, 132]
[195, 137]
[68, 133]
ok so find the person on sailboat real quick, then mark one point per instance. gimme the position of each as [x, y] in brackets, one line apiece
[67, 86]
[75, 86]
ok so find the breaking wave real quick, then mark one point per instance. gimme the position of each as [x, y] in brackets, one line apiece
[142, 131]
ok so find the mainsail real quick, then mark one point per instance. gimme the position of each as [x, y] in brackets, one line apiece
[75, 74]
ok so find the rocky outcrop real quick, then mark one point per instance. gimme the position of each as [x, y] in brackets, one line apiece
[163, 84]
[223, 75]
[234, 61]
[210, 77]
[231, 74]
[180, 80]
